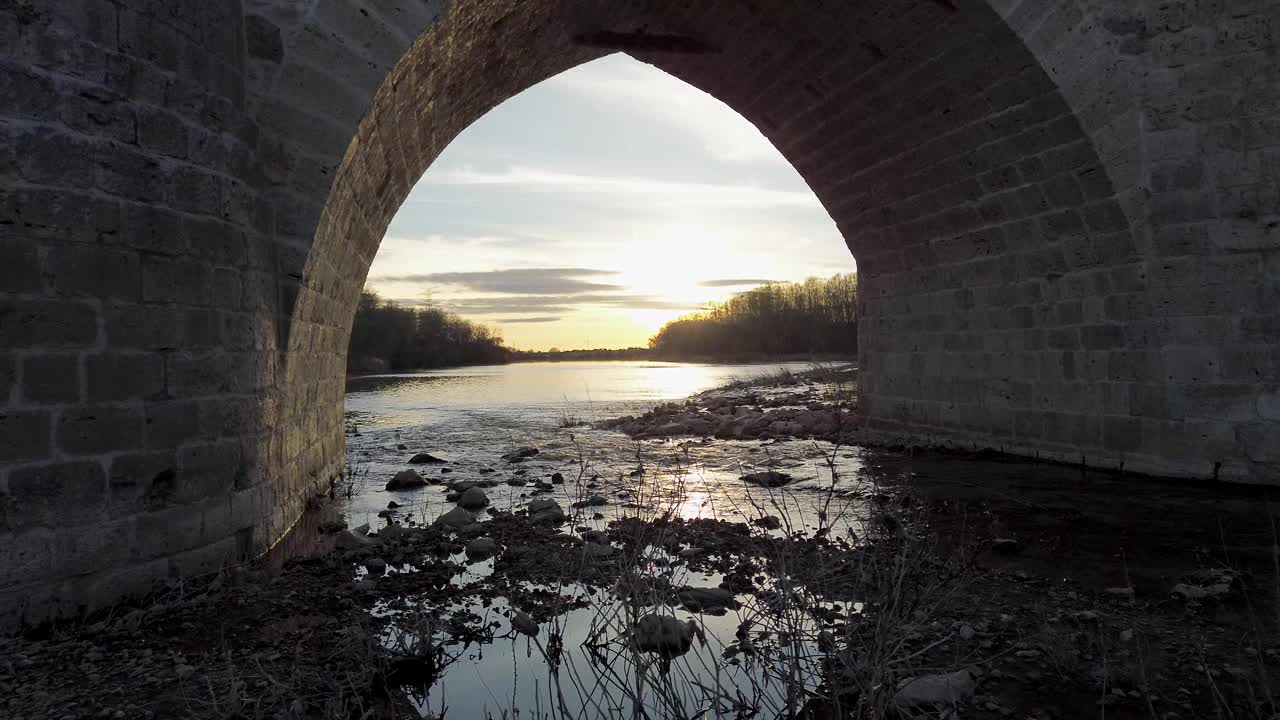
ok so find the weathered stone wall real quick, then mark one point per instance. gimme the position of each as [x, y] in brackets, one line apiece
[1064, 214]
[1036, 319]
[138, 299]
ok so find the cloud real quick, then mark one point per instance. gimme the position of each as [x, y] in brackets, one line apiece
[537, 319]
[558, 304]
[523, 281]
[502, 238]
[735, 282]
[645, 89]
[688, 193]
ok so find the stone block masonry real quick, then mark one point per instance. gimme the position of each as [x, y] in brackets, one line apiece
[1065, 216]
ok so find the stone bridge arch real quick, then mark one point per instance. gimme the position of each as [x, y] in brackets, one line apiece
[1064, 214]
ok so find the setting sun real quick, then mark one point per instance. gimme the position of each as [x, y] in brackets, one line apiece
[577, 215]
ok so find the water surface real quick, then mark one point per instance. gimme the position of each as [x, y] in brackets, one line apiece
[471, 415]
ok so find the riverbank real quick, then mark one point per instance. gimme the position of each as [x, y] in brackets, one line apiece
[816, 404]
[777, 575]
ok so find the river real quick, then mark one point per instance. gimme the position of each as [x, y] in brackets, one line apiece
[470, 416]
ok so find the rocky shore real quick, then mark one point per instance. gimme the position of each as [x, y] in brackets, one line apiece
[816, 405]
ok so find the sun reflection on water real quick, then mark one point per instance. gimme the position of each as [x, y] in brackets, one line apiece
[674, 381]
[694, 505]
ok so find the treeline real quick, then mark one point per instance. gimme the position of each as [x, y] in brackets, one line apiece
[389, 336]
[817, 316]
[557, 355]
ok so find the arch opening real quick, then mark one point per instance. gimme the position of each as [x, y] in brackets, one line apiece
[978, 208]
[590, 209]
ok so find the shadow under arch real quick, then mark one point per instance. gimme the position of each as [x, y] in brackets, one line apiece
[978, 208]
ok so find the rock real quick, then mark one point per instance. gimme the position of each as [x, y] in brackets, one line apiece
[515, 482]
[519, 454]
[474, 499]
[1006, 546]
[892, 525]
[543, 510]
[707, 599]
[934, 690]
[599, 537]
[426, 459]
[445, 471]
[330, 527]
[522, 623]
[462, 485]
[402, 446]
[486, 471]
[597, 500]
[351, 540]
[1188, 591]
[375, 566]
[386, 513]
[595, 552]
[488, 483]
[393, 505]
[597, 516]
[767, 478]
[664, 635]
[769, 522]
[392, 532]
[406, 480]
[481, 548]
[453, 497]
[1207, 584]
[543, 504]
[550, 517]
[826, 642]
[966, 632]
[474, 530]
[557, 479]
[1125, 593]
[454, 519]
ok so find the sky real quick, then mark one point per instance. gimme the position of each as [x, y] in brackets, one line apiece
[595, 206]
